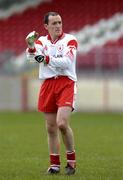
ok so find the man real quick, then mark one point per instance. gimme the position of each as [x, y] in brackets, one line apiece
[56, 54]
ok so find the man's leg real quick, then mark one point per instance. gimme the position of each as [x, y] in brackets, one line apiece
[63, 117]
[53, 142]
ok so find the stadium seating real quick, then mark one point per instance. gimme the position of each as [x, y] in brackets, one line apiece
[76, 15]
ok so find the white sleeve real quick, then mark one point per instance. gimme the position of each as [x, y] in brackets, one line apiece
[31, 53]
[65, 61]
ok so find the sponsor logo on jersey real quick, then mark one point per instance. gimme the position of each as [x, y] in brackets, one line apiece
[58, 56]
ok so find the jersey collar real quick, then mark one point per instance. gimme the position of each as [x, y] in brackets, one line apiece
[53, 42]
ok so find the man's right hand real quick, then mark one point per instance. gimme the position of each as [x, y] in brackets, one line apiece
[31, 38]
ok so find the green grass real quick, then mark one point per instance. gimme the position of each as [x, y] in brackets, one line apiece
[24, 153]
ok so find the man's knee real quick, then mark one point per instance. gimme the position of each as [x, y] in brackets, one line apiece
[63, 118]
[51, 129]
[62, 125]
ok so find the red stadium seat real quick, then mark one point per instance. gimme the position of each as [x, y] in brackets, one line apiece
[76, 14]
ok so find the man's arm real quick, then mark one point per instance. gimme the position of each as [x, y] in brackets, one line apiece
[68, 58]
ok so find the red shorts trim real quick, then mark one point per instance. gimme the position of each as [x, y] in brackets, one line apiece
[56, 92]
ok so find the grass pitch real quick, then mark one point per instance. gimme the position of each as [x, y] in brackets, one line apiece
[98, 140]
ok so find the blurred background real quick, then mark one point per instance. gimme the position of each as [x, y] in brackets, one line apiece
[98, 26]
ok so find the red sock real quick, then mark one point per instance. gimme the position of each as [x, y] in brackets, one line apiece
[71, 159]
[55, 160]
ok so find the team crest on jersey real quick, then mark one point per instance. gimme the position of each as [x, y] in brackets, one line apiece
[60, 47]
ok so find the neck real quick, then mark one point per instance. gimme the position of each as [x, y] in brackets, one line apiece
[54, 38]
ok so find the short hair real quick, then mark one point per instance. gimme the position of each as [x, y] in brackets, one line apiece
[46, 16]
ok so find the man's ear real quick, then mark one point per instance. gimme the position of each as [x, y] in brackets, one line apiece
[45, 26]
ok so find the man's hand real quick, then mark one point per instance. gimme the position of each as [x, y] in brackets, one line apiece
[31, 38]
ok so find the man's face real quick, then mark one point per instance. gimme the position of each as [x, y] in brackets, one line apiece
[54, 26]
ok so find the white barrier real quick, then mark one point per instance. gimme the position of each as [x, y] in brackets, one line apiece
[100, 95]
[93, 94]
[10, 93]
